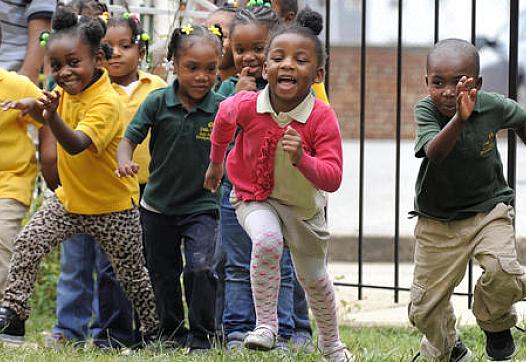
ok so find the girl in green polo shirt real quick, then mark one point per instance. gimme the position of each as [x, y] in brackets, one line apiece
[175, 207]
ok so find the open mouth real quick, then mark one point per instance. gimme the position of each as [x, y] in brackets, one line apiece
[286, 81]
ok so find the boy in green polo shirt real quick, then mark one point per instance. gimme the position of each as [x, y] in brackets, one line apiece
[463, 204]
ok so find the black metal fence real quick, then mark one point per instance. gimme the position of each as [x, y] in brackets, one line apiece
[512, 93]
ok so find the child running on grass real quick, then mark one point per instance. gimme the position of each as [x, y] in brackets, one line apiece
[287, 153]
[85, 116]
[464, 207]
[175, 208]
[249, 32]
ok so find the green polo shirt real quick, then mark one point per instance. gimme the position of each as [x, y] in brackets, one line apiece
[179, 148]
[470, 179]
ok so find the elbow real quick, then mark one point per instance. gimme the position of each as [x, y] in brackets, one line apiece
[335, 184]
[74, 150]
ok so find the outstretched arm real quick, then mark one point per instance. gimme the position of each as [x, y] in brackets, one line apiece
[71, 140]
[26, 106]
[441, 145]
[127, 167]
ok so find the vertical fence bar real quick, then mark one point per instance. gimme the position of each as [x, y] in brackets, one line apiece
[437, 17]
[328, 46]
[362, 149]
[398, 135]
[473, 38]
[512, 88]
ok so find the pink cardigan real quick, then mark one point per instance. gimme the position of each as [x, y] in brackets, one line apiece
[250, 164]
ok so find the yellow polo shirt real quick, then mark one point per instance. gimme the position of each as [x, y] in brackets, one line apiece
[320, 93]
[147, 83]
[18, 164]
[89, 184]
[303, 195]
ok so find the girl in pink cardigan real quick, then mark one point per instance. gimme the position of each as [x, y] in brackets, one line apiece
[287, 154]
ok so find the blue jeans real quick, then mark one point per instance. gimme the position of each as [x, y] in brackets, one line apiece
[77, 301]
[239, 315]
[119, 324]
[86, 308]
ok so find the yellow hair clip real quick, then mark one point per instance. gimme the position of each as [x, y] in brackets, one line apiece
[215, 30]
[187, 29]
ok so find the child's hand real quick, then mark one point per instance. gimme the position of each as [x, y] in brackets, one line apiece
[126, 169]
[246, 81]
[25, 105]
[466, 97]
[49, 102]
[292, 144]
[213, 176]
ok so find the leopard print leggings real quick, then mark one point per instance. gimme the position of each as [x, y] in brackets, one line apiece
[119, 235]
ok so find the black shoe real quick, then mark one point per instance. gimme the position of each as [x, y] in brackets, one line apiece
[460, 353]
[499, 345]
[12, 328]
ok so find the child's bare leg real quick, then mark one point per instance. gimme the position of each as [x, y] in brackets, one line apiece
[120, 236]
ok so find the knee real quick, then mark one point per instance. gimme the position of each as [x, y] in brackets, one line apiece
[267, 242]
[237, 274]
[502, 276]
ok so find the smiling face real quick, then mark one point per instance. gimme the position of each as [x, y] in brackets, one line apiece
[196, 69]
[73, 65]
[444, 70]
[126, 55]
[248, 48]
[291, 68]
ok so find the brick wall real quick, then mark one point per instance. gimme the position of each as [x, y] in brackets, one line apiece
[380, 105]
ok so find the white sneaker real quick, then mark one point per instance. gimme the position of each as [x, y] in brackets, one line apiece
[261, 339]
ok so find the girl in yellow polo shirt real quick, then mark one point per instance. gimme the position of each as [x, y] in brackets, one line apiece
[85, 116]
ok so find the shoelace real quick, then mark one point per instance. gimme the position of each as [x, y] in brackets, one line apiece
[521, 329]
[415, 357]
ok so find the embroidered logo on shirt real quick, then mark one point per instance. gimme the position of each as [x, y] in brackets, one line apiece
[489, 145]
[205, 132]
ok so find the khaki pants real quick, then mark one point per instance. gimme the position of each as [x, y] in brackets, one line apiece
[12, 213]
[442, 252]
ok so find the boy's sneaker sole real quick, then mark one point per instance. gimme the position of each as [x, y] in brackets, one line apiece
[506, 359]
[8, 338]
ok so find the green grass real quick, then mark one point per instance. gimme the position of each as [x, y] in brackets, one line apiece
[367, 344]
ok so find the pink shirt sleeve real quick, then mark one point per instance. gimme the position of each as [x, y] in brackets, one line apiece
[224, 128]
[325, 168]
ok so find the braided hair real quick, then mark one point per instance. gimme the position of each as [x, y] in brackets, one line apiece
[181, 38]
[309, 24]
[91, 30]
[260, 15]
